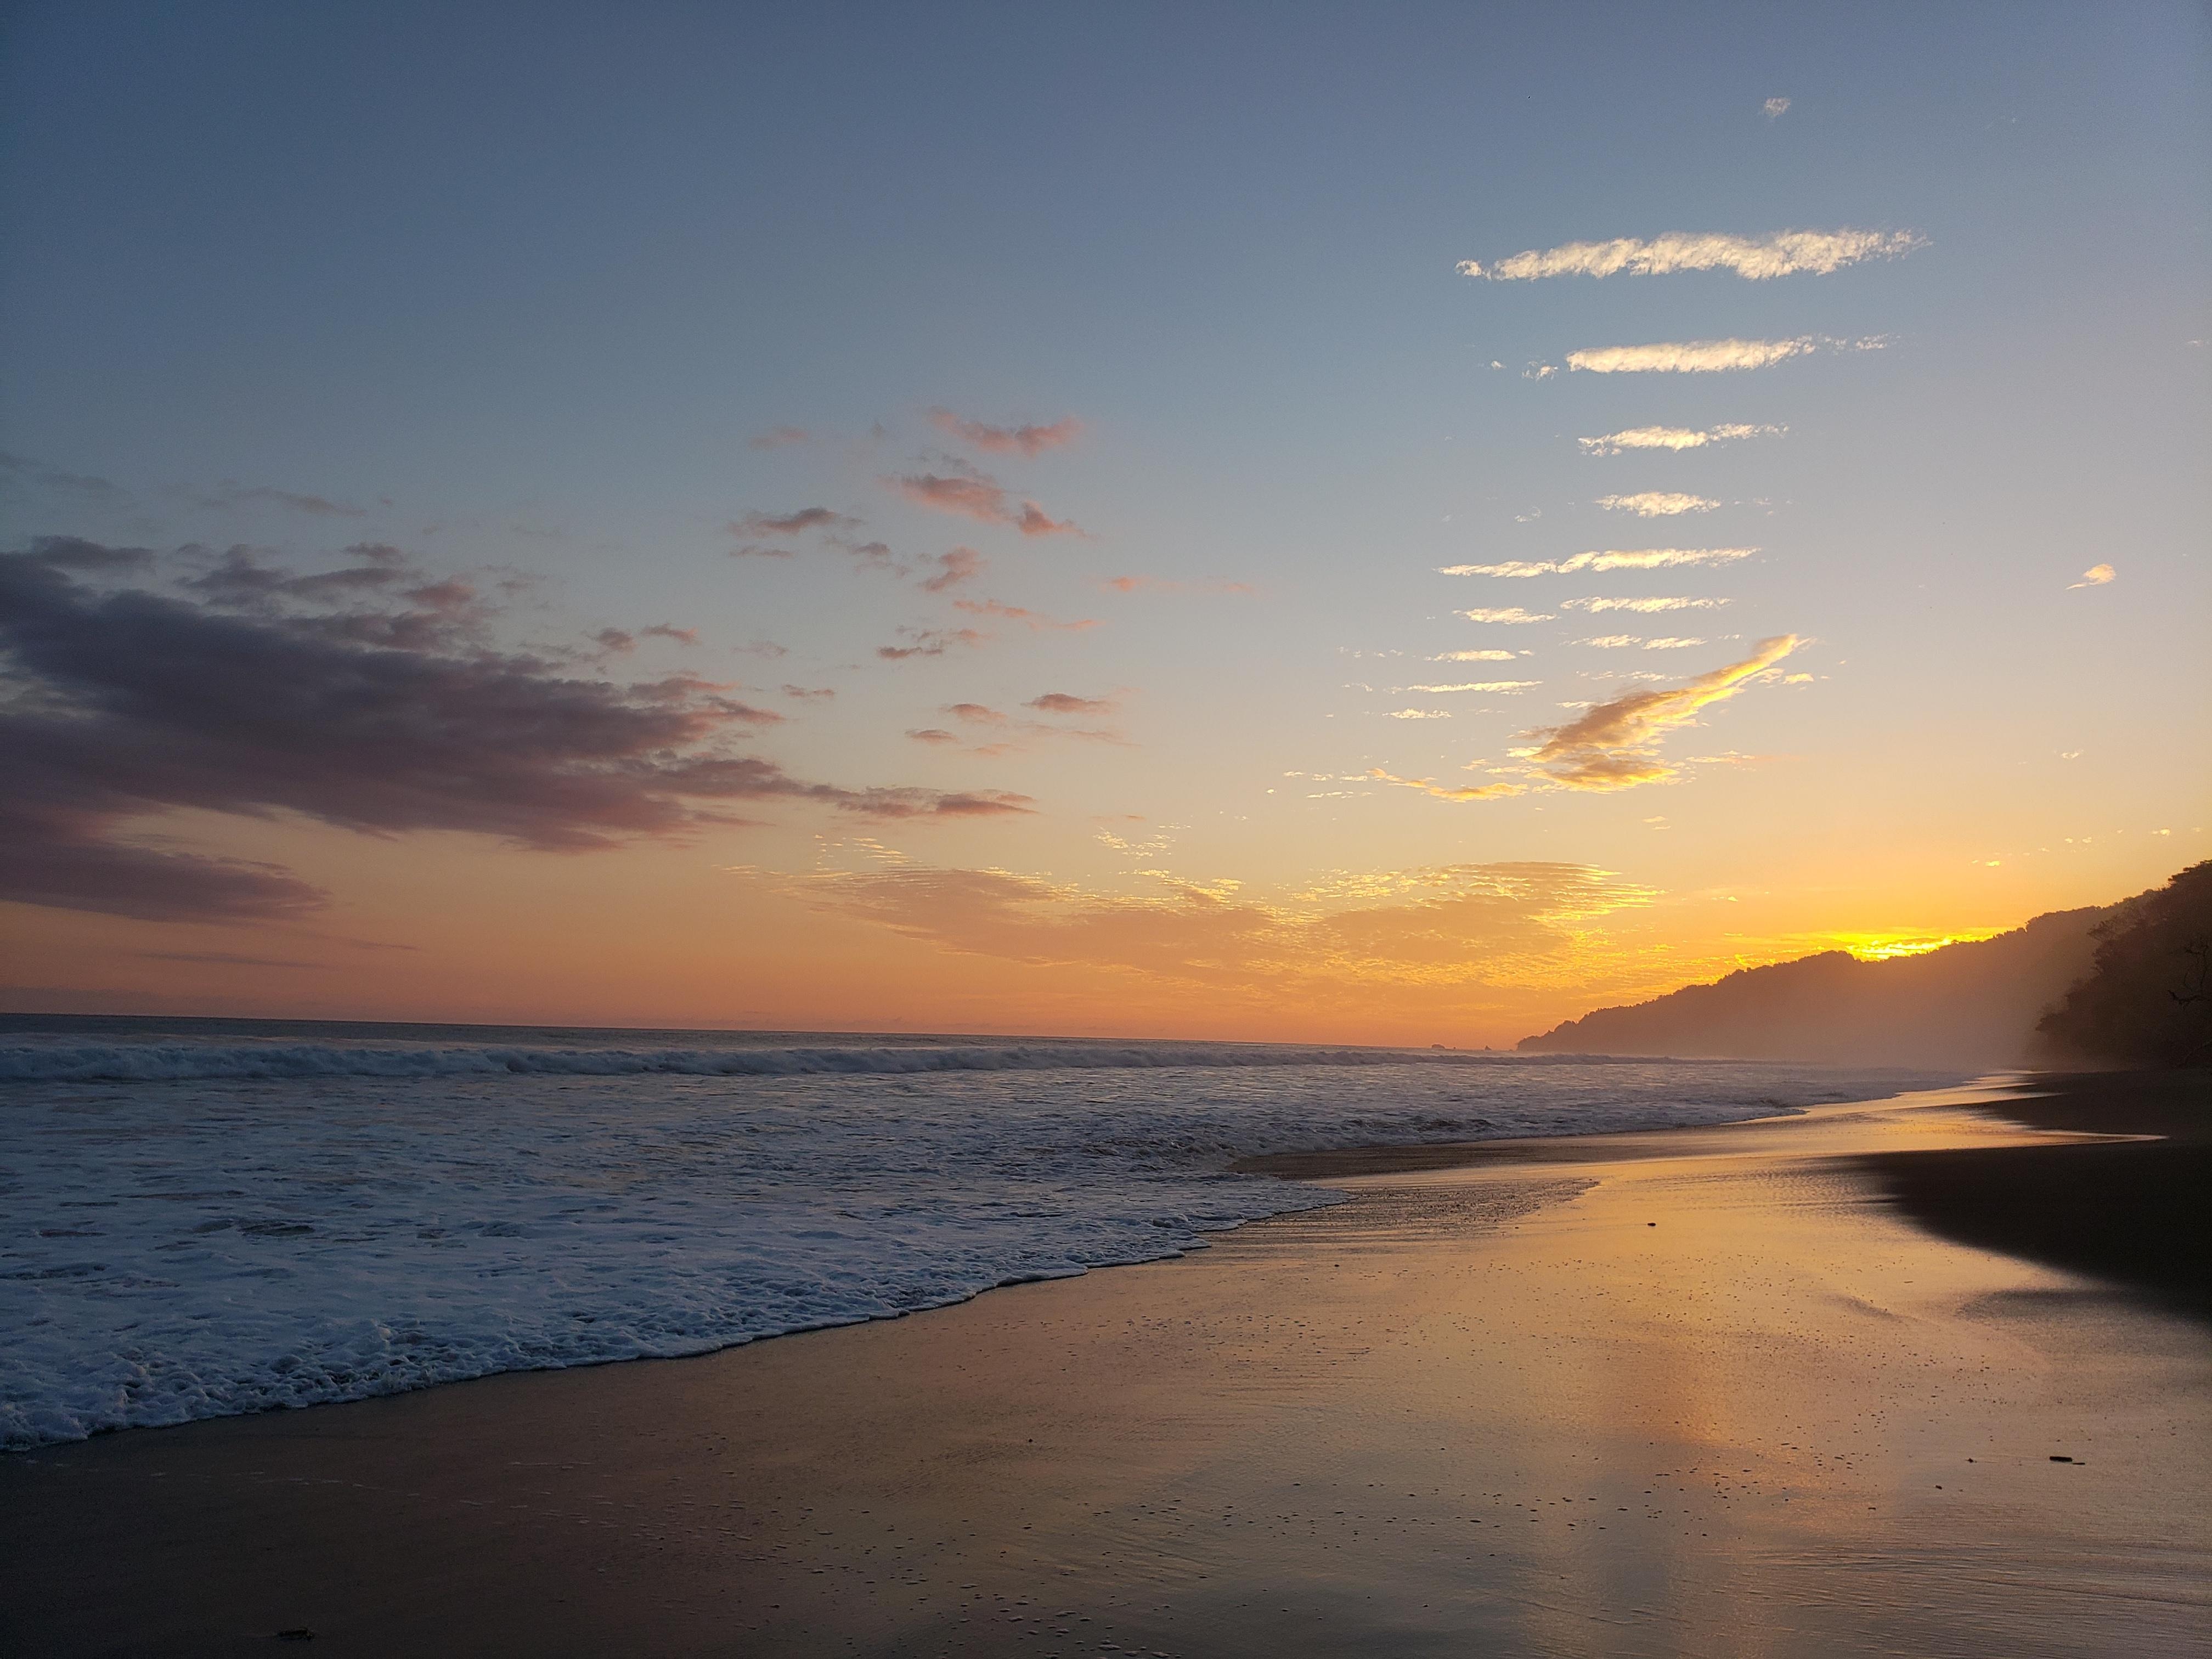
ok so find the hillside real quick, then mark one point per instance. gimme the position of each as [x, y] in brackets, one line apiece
[1973, 1004]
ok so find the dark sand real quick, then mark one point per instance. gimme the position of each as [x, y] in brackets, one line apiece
[1488, 1409]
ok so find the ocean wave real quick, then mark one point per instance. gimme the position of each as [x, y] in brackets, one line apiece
[201, 1061]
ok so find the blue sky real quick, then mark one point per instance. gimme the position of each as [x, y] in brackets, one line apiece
[523, 287]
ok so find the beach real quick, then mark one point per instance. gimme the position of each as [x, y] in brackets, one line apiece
[1719, 1391]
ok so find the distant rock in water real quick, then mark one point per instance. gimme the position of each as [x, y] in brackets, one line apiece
[1972, 1005]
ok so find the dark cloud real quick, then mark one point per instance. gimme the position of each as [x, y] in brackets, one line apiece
[789, 524]
[238, 691]
[931, 642]
[230, 493]
[53, 477]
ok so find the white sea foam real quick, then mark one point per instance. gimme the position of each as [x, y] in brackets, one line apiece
[194, 1227]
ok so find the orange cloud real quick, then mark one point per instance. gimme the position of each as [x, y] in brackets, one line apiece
[1611, 746]
[1066, 702]
[1163, 585]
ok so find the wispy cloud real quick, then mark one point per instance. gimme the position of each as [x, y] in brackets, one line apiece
[2095, 576]
[1775, 108]
[1066, 702]
[1473, 656]
[1613, 745]
[1475, 685]
[958, 566]
[230, 494]
[53, 477]
[1512, 614]
[1785, 253]
[789, 524]
[1657, 503]
[982, 499]
[1449, 792]
[1645, 605]
[780, 437]
[1419, 715]
[1164, 585]
[1036, 621]
[1709, 356]
[1028, 441]
[931, 643]
[1644, 558]
[1674, 437]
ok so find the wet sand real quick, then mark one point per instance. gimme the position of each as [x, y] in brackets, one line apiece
[1708, 1392]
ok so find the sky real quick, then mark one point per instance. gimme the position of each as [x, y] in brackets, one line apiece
[1389, 524]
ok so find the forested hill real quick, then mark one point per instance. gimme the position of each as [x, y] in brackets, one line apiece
[1963, 1005]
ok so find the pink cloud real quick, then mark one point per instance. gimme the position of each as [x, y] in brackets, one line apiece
[955, 568]
[684, 637]
[789, 524]
[982, 499]
[931, 642]
[1066, 702]
[1033, 620]
[1007, 439]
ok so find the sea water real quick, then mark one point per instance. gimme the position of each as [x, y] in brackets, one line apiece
[201, 1216]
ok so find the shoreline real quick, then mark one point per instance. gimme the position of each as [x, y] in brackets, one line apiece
[1608, 1405]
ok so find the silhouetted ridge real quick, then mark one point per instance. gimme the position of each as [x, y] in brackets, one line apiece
[1971, 1005]
[2148, 999]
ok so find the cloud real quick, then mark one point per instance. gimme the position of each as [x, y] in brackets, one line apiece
[1473, 656]
[780, 437]
[1674, 437]
[682, 636]
[1477, 685]
[1033, 620]
[810, 694]
[1008, 439]
[230, 493]
[1645, 558]
[754, 550]
[1419, 715]
[1657, 503]
[931, 643]
[1643, 604]
[975, 713]
[958, 566]
[1613, 745]
[1690, 356]
[75, 483]
[979, 498]
[251, 696]
[1784, 254]
[932, 734]
[1775, 108]
[1447, 791]
[2095, 576]
[1426, 931]
[1066, 702]
[1163, 585]
[1513, 614]
[789, 524]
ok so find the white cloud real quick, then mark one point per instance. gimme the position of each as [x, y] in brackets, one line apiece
[1516, 614]
[1775, 108]
[1657, 503]
[1674, 437]
[2095, 576]
[1669, 643]
[1784, 254]
[1421, 714]
[1612, 642]
[1647, 558]
[1645, 605]
[1473, 656]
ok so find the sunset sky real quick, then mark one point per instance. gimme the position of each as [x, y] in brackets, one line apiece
[1376, 524]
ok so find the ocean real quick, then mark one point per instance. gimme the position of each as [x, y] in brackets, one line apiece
[199, 1218]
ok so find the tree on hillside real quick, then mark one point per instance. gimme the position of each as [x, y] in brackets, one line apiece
[2146, 1001]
